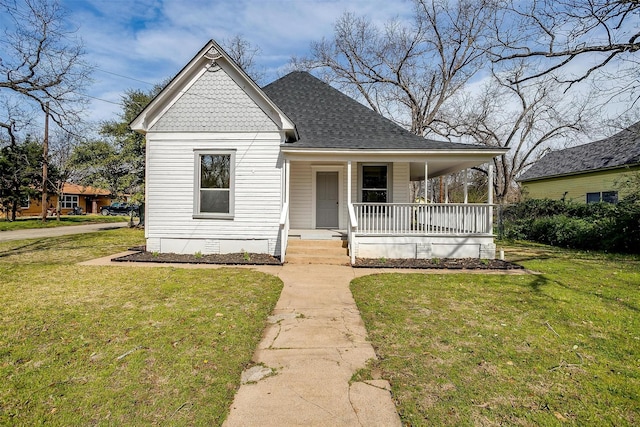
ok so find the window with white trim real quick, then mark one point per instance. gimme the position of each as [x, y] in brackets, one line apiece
[68, 201]
[375, 184]
[605, 196]
[25, 202]
[214, 186]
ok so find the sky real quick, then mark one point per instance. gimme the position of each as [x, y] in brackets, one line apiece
[134, 44]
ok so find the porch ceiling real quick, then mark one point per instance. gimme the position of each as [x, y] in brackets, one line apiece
[438, 167]
[438, 162]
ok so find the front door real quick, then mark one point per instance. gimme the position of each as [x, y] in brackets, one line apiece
[327, 200]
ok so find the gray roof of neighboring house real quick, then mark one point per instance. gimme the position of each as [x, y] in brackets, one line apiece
[619, 150]
[327, 118]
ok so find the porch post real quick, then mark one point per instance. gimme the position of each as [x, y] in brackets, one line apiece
[350, 237]
[490, 197]
[287, 176]
[348, 183]
[446, 190]
[466, 186]
[426, 177]
[284, 217]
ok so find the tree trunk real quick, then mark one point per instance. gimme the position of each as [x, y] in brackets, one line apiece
[14, 210]
[45, 155]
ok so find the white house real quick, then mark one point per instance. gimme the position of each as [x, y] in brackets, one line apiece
[232, 167]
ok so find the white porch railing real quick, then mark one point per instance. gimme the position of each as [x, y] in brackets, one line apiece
[420, 218]
[284, 230]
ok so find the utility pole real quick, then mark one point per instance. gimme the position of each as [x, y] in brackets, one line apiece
[45, 156]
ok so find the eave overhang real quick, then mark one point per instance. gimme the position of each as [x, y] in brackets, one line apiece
[439, 161]
[585, 172]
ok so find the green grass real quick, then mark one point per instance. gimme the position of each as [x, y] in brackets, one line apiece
[559, 347]
[109, 345]
[28, 223]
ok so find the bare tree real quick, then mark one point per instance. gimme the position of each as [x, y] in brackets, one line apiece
[244, 54]
[62, 145]
[406, 71]
[560, 34]
[528, 118]
[41, 62]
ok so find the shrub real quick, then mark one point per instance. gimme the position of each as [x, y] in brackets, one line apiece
[625, 229]
[593, 226]
[561, 230]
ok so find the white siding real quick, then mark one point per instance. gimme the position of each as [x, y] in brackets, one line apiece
[300, 204]
[354, 182]
[170, 190]
[400, 183]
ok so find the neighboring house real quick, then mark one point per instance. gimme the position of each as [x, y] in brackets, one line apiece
[232, 167]
[89, 199]
[586, 173]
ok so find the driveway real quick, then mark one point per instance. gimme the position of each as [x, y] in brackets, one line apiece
[36, 233]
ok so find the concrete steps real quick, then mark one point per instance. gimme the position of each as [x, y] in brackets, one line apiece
[332, 252]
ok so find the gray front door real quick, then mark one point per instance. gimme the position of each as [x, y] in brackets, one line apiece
[327, 200]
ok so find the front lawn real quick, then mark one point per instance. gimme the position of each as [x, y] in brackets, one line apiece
[28, 223]
[122, 345]
[559, 347]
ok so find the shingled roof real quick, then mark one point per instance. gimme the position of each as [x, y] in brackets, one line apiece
[619, 150]
[326, 118]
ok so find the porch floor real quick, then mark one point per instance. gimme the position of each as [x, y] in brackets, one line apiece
[318, 234]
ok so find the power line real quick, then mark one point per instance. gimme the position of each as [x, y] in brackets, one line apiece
[181, 93]
[123, 76]
[122, 104]
[99, 99]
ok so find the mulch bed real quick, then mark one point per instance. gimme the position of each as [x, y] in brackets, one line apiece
[225, 259]
[263, 259]
[438, 263]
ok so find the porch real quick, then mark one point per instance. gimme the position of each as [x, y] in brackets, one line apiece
[408, 230]
[318, 205]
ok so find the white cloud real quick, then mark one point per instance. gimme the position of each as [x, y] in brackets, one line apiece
[151, 40]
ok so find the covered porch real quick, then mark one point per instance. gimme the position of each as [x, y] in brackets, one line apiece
[365, 198]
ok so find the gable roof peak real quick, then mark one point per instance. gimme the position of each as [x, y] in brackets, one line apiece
[211, 53]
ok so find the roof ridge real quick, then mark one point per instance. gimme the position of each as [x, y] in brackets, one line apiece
[618, 150]
[328, 118]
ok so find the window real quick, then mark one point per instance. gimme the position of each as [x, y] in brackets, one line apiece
[605, 196]
[68, 202]
[593, 197]
[375, 183]
[610, 196]
[25, 202]
[214, 184]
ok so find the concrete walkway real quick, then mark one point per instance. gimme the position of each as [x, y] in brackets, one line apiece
[314, 343]
[36, 233]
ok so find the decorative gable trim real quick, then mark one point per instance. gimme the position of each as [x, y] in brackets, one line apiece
[210, 55]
